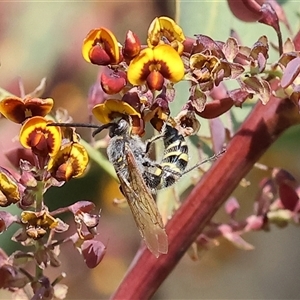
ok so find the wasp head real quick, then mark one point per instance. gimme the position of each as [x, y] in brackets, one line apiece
[120, 128]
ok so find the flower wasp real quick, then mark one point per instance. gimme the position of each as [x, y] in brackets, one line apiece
[127, 153]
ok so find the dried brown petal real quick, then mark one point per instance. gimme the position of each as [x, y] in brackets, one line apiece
[291, 72]
[93, 252]
[231, 49]
[258, 86]
[81, 206]
[6, 219]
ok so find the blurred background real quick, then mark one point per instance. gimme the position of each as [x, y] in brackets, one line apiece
[43, 39]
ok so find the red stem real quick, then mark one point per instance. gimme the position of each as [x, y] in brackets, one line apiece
[258, 132]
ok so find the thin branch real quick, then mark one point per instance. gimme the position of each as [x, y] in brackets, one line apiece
[258, 132]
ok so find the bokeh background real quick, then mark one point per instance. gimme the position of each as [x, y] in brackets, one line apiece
[43, 39]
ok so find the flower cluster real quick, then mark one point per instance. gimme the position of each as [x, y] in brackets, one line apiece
[50, 156]
[138, 82]
[142, 79]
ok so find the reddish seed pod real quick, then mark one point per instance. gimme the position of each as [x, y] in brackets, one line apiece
[216, 108]
[246, 10]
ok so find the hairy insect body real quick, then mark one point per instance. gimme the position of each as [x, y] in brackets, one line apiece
[127, 154]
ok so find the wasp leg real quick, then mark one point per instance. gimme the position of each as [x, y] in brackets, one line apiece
[151, 141]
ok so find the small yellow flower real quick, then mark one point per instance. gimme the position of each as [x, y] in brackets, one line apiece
[111, 109]
[38, 223]
[70, 162]
[101, 47]
[164, 30]
[152, 65]
[9, 190]
[43, 140]
[42, 219]
[18, 110]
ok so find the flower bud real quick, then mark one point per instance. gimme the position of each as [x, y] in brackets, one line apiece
[132, 45]
[113, 83]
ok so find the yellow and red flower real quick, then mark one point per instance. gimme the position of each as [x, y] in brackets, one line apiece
[113, 82]
[37, 223]
[70, 162]
[43, 140]
[111, 109]
[153, 65]
[164, 30]
[132, 46]
[101, 47]
[9, 189]
[18, 110]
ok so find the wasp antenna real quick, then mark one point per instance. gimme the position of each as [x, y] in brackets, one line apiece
[74, 125]
[100, 128]
[97, 128]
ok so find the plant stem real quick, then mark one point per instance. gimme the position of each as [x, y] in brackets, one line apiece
[263, 126]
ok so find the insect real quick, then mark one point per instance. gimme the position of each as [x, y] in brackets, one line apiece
[127, 153]
[127, 156]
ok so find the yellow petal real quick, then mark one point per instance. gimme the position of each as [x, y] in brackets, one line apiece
[70, 162]
[172, 67]
[112, 108]
[164, 27]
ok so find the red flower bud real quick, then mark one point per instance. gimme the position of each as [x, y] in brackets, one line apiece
[132, 45]
[113, 83]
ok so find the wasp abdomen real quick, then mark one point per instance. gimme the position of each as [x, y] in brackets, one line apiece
[173, 163]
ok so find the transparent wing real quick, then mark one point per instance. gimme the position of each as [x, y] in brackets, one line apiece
[143, 207]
